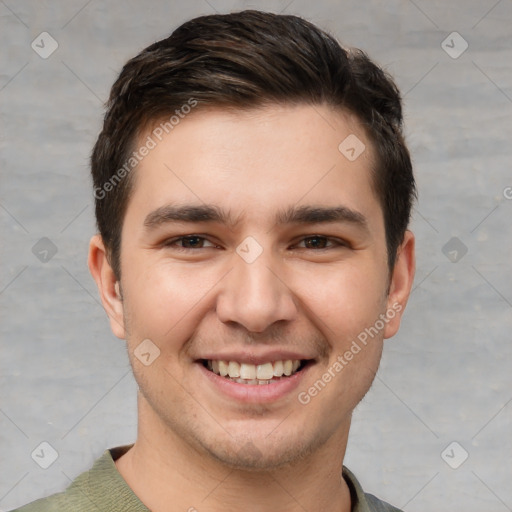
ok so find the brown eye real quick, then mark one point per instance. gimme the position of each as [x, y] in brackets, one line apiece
[321, 242]
[189, 242]
[316, 242]
[192, 242]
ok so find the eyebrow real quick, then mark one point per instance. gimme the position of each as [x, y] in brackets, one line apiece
[292, 215]
[322, 214]
[188, 213]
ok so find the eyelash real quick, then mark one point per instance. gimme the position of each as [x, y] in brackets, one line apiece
[333, 241]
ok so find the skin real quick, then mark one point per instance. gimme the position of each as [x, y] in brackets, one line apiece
[196, 447]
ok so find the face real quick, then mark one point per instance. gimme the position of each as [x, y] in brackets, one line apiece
[253, 259]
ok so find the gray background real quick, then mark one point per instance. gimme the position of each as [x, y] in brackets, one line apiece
[445, 377]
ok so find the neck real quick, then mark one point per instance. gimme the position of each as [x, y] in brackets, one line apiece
[167, 473]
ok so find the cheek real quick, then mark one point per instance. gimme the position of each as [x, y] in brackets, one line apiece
[345, 299]
[165, 299]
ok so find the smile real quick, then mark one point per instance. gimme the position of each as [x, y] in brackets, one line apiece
[254, 374]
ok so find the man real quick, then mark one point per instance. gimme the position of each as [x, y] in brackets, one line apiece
[253, 192]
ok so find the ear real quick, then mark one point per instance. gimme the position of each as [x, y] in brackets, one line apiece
[401, 284]
[108, 286]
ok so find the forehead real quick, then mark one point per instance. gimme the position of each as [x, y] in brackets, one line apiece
[258, 160]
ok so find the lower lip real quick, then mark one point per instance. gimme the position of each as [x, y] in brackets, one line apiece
[255, 393]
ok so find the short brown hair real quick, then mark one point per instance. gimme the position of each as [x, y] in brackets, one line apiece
[246, 60]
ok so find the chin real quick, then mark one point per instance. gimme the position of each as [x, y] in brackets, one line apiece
[254, 454]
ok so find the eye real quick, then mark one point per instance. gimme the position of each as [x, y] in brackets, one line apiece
[320, 242]
[189, 242]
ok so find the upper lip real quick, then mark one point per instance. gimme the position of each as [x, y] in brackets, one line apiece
[251, 357]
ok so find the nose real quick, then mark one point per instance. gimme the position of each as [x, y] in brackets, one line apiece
[255, 295]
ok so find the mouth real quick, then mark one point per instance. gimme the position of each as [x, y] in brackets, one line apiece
[256, 374]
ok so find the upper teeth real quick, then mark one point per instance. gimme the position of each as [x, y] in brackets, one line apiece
[265, 371]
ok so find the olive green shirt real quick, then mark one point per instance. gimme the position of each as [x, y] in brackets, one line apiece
[103, 489]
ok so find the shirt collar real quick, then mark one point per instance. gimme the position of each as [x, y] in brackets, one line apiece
[104, 482]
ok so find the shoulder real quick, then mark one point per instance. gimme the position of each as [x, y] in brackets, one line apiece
[67, 500]
[100, 488]
[77, 497]
[362, 501]
[376, 505]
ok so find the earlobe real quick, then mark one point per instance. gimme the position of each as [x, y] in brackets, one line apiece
[108, 285]
[401, 284]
